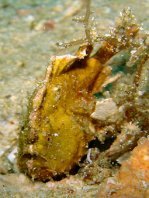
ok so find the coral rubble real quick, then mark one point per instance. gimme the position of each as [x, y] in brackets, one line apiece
[132, 180]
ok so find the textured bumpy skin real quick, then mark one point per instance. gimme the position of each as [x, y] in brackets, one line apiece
[59, 124]
[57, 132]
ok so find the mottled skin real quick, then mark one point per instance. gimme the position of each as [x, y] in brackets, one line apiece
[58, 127]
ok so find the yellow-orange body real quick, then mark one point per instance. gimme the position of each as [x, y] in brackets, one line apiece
[58, 131]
